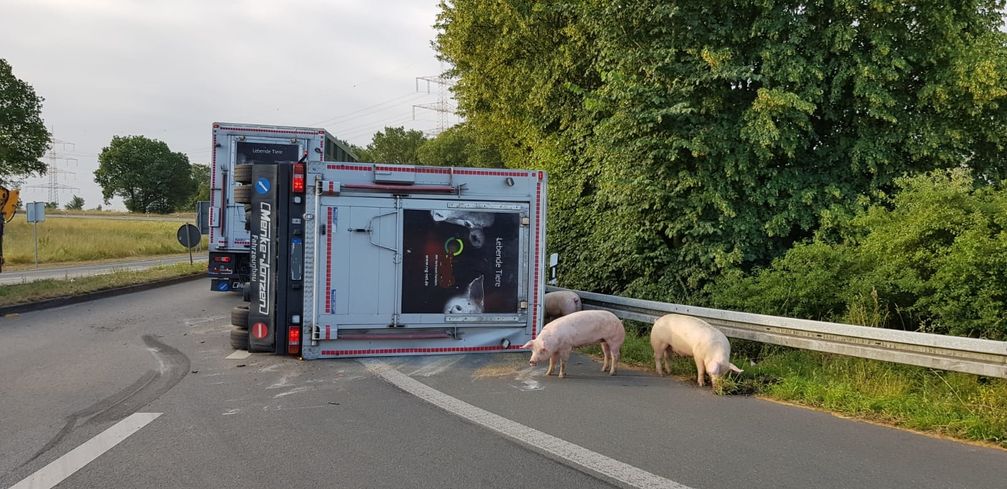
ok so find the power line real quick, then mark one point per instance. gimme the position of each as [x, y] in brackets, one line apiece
[442, 107]
[391, 101]
[59, 160]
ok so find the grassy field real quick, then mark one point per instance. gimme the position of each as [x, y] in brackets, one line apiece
[950, 404]
[181, 216]
[49, 289]
[62, 240]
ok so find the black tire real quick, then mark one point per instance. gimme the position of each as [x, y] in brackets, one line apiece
[243, 194]
[248, 220]
[243, 173]
[246, 292]
[239, 317]
[239, 339]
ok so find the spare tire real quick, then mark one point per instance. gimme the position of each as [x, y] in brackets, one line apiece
[239, 316]
[243, 173]
[239, 339]
[243, 194]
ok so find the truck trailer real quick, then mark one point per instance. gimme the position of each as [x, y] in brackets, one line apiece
[237, 147]
[367, 259]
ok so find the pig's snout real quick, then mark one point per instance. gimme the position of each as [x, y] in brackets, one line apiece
[532, 363]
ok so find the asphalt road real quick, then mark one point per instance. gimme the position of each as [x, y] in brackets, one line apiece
[9, 277]
[73, 375]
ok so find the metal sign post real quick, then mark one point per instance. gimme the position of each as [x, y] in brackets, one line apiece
[36, 214]
[1, 243]
[189, 237]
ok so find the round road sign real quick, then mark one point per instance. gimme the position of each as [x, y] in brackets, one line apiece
[188, 236]
[260, 330]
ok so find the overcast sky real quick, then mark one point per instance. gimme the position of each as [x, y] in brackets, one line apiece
[167, 69]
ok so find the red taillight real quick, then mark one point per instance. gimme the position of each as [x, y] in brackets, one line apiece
[222, 259]
[297, 183]
[293, 340]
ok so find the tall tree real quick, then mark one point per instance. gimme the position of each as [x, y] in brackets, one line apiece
[75, 204]
[145, 173]
[459, 146]
[394, 145]
[23, 136]
[686, 138]
[201, 182]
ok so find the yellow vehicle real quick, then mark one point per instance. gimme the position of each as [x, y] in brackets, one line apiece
[8, 207]
[8, 203]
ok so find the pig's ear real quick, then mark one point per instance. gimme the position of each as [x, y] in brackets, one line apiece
[527, 346]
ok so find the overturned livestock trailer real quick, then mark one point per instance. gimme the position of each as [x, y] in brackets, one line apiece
[364, 259]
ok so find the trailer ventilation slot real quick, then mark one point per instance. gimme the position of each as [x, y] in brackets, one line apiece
[398, 335]
[402, 189]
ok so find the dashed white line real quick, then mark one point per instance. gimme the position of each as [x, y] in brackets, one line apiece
[576, 454]
[76, 459]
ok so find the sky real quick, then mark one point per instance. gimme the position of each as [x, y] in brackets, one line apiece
[168, 69]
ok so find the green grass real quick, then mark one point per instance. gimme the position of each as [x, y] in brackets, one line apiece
[50, 289]
[951, 404]
[181, 216]
[62, 240]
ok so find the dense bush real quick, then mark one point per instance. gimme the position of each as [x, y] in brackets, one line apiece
[684, 139]
[933, 257]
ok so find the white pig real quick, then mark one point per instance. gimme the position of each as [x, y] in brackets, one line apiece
[580, 328]
[689, 336]
[560, 303]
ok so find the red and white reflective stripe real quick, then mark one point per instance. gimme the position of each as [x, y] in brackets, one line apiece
[328, 264]
[434, 170]
[348, 167]
[538, 251]
[399, 351]
[213, 179]
[328, 332]
[270, 131]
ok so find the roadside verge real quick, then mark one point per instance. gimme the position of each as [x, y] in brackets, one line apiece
[55, 293]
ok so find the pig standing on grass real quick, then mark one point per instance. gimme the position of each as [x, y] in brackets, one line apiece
[689, 336]
[561, 303]
[580, 328]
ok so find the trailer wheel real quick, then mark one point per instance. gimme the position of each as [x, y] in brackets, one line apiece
[243, 194]
[246, 293]
[243, 173]
[239, 317]
[248, 220]
[239, 339]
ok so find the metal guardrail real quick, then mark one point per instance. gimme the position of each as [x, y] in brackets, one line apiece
[970, 355]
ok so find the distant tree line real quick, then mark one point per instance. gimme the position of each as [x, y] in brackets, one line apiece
[456, 146]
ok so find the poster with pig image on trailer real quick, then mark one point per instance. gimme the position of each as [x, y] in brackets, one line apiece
[460, 262]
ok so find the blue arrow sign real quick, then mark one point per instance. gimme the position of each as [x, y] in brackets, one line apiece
[262, 186]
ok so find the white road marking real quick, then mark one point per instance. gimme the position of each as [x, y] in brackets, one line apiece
[295, 390]
[76, 459]
[576, 454]
[238, 355]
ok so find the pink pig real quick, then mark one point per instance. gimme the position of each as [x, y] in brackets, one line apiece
[692, 337]
[580, 328]
[560, 303]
